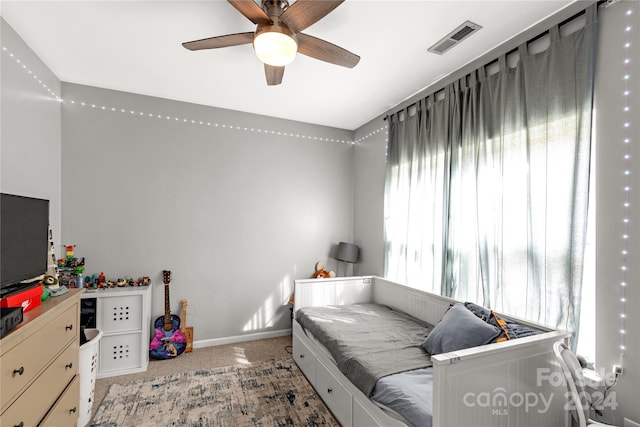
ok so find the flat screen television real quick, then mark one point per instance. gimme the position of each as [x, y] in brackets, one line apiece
[24, 239]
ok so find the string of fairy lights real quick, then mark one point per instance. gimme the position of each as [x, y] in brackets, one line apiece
[204, 122]
[31, 73]
[176, 118]
[626, 161]
[370, 134]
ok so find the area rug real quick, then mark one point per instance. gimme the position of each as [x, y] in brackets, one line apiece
[272, 393]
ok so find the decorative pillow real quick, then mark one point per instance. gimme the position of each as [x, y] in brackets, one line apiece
[459, 329]
[514, 329]
[480, 311]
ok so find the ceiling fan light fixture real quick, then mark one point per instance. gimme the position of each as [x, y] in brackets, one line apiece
[275, 45]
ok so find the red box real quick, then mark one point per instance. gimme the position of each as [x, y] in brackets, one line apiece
[27, 299]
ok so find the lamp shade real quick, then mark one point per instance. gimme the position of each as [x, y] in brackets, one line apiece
[347, 252]
[275, 45]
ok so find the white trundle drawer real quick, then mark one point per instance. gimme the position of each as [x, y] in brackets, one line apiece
[305, 359]
[334, 394]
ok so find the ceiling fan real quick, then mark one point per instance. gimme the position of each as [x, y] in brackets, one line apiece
[278, 35]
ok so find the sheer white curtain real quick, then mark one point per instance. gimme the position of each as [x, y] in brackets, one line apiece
[487, 186]
[415, 198]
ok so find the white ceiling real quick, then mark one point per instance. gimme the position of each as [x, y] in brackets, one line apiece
[135, 46]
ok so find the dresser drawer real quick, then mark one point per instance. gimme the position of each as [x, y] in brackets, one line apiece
[305, 359]
[36, 401]
[65, 411]
[334, 394]
[25, 361]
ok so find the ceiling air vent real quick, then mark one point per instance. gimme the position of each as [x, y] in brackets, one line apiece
[454, 37]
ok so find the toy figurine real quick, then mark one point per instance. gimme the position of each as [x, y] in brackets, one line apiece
[69, 249]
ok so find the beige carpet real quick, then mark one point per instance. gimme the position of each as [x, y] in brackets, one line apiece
[271, 393]
[202, 358]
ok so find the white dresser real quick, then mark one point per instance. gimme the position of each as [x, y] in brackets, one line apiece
[39, 379]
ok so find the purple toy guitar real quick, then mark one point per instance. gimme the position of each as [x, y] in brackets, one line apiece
[168, 341]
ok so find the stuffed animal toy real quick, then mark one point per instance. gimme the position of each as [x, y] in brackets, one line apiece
[53, 287]
[322, 273]
[51, 282]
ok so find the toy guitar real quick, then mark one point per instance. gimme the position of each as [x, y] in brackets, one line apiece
[168, 340]
[187, 331]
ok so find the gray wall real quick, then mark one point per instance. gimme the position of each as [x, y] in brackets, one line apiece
[235, 214]
[369, 163]
[368, 196]
[30, 144]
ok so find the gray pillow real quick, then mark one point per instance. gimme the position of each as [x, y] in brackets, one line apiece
[459, 329]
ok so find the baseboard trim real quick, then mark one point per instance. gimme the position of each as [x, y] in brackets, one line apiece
[241, 338]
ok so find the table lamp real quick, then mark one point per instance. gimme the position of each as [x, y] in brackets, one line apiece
[347, 252]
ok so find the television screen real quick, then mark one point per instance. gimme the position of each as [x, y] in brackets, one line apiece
[24, 238]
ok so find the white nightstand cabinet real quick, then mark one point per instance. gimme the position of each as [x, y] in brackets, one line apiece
[124, 317]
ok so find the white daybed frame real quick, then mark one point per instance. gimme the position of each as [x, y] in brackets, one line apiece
[510, 384]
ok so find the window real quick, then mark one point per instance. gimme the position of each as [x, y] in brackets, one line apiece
[487, 188]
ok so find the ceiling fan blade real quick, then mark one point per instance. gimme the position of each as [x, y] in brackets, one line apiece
[304, 13]
[220, 41]
[325, 51]
[252, 11]
[274, 74]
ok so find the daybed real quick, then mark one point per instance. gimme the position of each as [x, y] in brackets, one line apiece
[512, 383]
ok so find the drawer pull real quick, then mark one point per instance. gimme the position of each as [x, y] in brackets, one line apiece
[18, 371]
[72, 410]
[68, 366]
[302, 356]
[329, 390]
[19, 425]
[69, 327]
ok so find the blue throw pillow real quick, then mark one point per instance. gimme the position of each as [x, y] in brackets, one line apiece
[459, 329]
[480, 311]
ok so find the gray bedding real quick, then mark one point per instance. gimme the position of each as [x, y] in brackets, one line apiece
[408, 393]
[368, 341]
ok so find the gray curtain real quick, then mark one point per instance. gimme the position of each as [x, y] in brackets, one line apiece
[487, 183]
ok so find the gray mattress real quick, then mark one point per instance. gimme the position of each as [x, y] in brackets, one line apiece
[368, 341]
